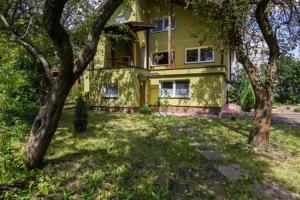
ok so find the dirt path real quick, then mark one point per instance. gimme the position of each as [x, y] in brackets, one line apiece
[281, 115]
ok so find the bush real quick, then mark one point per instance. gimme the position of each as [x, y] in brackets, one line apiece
[247, 97]
[297, 110]
[238, 83]
[298, 98]
[146, 110]
[19, 85]
[287, 87]
[11, 160]
[80, 121]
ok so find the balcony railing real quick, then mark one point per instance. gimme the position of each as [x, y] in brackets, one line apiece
[120, 62]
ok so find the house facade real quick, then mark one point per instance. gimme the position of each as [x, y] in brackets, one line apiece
[141, 59]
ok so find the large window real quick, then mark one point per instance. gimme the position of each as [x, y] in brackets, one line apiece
[200, 54]
[162, 24]
[161, 58]
[110, 90]
[176, 89]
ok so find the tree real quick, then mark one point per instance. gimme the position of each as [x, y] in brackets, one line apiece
[248, 26]
[57, 90]
[288, 85]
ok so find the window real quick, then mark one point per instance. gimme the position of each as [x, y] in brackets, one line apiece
[162, 24]
[175, 89]
[161, 58]
[201, 54]
[182, 89]
[166, 89]
[110, 90]
[206, 54]
[192, 55]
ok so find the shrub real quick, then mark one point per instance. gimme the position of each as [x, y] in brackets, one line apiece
[11, 160]
[146, 109]
[238, 83]
[80, 121]
[298, 98]
[247, 97]
[287, 87]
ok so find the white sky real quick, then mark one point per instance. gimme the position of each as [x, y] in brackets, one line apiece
[296, 52]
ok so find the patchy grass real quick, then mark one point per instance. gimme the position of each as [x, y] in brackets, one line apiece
[150, 157]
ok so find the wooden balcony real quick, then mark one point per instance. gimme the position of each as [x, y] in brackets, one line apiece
[120, 62]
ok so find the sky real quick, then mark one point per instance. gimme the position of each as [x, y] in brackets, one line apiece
[296, 52]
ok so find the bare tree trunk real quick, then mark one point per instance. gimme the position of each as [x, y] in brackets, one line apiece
[260, 131]
[44, 127]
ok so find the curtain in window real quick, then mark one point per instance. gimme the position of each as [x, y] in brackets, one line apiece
[182, 89]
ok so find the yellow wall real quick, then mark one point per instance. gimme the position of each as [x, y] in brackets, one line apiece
[205, 91]
[189, 33]
[207, 80]
[126, 79]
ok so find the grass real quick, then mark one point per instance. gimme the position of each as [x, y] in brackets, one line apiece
[149, 157]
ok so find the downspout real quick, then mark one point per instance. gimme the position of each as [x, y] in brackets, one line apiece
[147, 46]
[170, 53]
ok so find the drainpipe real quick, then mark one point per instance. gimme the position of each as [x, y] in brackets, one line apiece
[170, 53]
[147, 46]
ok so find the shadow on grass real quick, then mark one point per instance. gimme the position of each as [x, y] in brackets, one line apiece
[140, 157]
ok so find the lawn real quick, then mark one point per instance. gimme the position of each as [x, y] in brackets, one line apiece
[149, 157]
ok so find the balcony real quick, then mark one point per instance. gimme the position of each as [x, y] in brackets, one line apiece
[120, 62]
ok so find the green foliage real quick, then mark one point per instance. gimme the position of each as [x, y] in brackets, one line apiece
[287, 89]
[146, 109]
[74, 93]
[158, 102]
[11, 160]
[237, 86]
[80, 121]
[19, 84]
[247, 97]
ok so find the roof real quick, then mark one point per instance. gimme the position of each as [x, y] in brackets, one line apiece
[140, 26]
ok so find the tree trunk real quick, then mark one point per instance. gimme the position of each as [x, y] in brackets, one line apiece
[259, 134]
[45, 125]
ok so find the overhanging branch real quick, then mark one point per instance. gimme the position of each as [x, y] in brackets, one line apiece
[51, 18]
[88, 51]
[42, 62]
[261, 15]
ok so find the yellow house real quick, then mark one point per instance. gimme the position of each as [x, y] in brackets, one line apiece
[151, 53]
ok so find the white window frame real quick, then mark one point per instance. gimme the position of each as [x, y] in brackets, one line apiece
[110, 96]
[164, 24]
[174, 89]
[199, 55]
